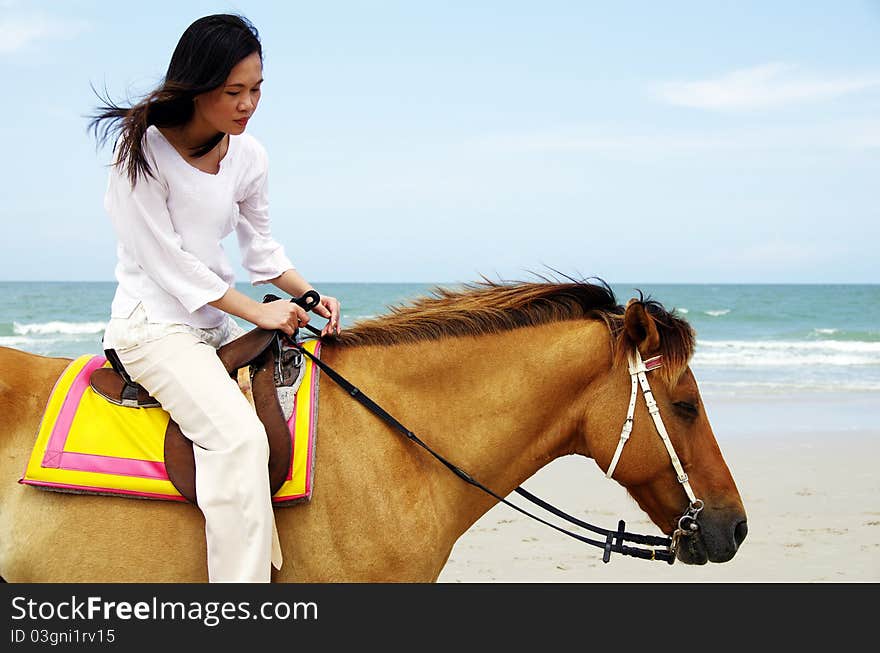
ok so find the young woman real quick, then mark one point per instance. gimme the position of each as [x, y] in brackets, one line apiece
[184, 176]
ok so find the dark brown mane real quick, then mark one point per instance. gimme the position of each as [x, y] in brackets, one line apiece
[488, 307]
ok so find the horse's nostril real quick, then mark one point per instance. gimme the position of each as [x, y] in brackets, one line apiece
[740, 532]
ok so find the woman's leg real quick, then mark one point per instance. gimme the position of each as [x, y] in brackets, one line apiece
[230, 446]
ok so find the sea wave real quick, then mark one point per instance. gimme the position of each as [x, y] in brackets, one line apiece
[786, 353]
[55, 327]
[23, 342]
[718, 312]
[788, 386]
[842, 335]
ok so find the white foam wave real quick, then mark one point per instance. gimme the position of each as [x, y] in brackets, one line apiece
[789, 386]
[18, 342]
[683, 311]
[788, 345]
[786, 353]
[718, 312]
[825, 332]
[67, 328]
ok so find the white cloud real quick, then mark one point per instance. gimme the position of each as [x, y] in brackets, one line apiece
[760, 87]
[18, 32]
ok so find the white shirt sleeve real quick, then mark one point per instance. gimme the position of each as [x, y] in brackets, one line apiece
[261, 255]
[143, 226]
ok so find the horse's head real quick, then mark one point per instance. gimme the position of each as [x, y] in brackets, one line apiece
[646, 465]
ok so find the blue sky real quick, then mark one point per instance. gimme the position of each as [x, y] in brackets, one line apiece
[438, 142]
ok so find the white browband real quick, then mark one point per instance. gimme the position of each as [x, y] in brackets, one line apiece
[637, 369]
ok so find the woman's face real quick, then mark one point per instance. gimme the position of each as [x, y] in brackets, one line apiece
[228, 107]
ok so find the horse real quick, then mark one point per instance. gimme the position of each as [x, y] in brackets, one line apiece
[500, 378]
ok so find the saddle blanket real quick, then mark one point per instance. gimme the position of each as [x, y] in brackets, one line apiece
[85, 444]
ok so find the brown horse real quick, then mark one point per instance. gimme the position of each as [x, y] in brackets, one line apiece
[499, 379]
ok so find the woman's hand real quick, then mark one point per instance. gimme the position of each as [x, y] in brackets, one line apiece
[292, 282]
[283, 315]
[328, 308]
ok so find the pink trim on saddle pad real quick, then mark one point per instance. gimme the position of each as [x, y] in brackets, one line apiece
[92, 462]
[309, 436]
[313, 420]
[67, 426]
[56, 457]
[106, 491]
[55, 446]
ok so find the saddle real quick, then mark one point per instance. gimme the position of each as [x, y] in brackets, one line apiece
[272, 364]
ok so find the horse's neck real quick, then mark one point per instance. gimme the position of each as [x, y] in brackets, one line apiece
[500, 406]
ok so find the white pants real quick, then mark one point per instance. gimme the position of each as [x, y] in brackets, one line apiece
[182, 371]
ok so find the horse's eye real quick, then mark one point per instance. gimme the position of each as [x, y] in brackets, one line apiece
[689, 409]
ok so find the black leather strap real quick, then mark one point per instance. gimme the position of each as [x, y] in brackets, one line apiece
[614, 540]
[130, 389]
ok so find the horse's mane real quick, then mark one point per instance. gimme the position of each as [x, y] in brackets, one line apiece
[487, 307]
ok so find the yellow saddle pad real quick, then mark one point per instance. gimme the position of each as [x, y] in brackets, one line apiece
[85, 444]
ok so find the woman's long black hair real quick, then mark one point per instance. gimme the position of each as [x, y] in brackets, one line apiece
[204, 56]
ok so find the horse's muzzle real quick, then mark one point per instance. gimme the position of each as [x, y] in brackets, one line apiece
[718, 538]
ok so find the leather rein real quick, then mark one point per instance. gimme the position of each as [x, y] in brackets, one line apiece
[614, 541]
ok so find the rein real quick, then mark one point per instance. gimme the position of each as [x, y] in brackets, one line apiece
[614, 540]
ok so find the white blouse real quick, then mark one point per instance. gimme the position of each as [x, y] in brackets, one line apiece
[169, 228]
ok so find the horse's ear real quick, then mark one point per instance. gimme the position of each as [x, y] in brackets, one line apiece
[640, 327]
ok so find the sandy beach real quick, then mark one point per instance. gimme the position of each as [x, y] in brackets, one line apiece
[805, 466]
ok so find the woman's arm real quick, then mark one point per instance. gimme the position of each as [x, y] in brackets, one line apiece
[281, 314]
[262, 256]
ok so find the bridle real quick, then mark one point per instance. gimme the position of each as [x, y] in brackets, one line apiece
[638, 369]
[614, 540]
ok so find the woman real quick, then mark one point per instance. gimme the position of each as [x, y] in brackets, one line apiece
[185, 176]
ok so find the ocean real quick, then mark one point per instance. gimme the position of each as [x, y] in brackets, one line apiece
[752, 340]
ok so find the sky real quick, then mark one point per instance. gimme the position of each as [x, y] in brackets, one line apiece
[436, 142]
